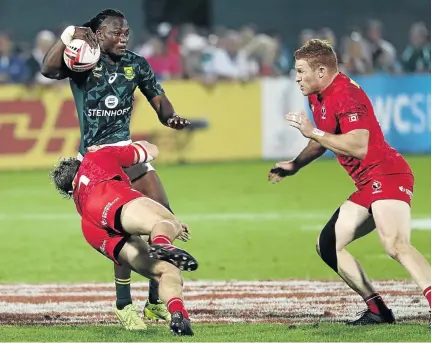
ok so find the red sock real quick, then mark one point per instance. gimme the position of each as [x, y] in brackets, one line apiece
[374, 302]
[427, 294]
[161, 240]
[176, 305]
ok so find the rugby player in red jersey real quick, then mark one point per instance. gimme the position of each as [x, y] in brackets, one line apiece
[114, 217]
[346, 124]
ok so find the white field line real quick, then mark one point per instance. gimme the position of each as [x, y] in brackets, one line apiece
[314, 217]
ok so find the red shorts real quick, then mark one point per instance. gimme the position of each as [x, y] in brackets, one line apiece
[395, 186]
[99, 216]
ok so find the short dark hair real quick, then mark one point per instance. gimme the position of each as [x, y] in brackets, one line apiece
[318, 52]
[63, 175]
[95, 22]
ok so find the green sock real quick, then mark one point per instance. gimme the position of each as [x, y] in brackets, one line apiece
[123, 293]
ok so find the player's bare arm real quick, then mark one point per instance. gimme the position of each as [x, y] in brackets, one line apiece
[53, 66]
[155, 94]
[166, 113]
[353, 143]
[310, 153]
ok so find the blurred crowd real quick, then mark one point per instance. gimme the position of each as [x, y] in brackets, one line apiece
[188, 52]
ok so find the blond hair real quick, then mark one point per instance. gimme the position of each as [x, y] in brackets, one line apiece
[318, 52]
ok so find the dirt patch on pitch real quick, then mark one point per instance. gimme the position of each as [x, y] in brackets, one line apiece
[288, 302]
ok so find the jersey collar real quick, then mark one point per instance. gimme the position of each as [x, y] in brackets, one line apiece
[331, 87]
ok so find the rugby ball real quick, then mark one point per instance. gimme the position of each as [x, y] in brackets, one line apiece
[80, 56]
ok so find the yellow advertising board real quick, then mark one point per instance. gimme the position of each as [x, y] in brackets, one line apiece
[37, 126]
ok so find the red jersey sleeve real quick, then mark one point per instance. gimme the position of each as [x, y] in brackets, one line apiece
[352, 116]
[121, 155]
[131, 154]
[125, 155]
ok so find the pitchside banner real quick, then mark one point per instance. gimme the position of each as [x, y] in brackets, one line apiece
[279, 140]
[37, 126]
[401, 103]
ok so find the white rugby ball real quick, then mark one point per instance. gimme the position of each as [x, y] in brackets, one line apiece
[80, 56]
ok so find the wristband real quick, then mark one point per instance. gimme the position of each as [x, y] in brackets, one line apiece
[318, 132]
[67, 35]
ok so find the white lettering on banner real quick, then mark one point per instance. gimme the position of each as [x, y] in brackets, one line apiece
[401, 125]
[407, 113]
[423, 125]
[108, 113]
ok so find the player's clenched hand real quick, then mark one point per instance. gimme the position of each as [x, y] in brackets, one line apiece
[185, 233]
[301, 121]
[86, 34]
[282, 169]
[177, 123]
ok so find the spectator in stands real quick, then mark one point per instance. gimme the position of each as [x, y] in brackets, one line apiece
[230, 62]
[383, 53]
[283, 62]
[165, 65]
[145, 45]
[44, 41]
[259, 47]
[356, 56]
[416, 57]
[305, 35]
[327, 34]
[12, 66]
[193, 49]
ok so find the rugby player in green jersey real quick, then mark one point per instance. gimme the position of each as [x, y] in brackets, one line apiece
[104, 99]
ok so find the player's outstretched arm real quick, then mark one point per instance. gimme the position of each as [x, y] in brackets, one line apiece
[287, 168]
[53, 66]
[128, 155]
[137, 152]
[155, 94]
[166, 114]
[310, 153]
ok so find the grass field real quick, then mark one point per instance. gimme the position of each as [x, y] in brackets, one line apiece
[243, 229]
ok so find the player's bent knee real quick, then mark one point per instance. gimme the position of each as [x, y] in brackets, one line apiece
[326, 245]
[396, 248]
[165, 269]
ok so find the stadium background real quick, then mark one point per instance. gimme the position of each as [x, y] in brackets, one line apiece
[215, 174]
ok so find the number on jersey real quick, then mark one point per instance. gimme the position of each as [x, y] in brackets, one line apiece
[83, 180]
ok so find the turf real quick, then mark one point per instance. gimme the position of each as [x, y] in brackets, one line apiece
[225, 333]
[243, 228]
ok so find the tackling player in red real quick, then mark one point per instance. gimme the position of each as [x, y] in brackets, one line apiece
[114, 217]
[346, 124]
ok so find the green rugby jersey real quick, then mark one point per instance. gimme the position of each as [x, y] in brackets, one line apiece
[104, 98]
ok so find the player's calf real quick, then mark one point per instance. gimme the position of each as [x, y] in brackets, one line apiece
[135, 254]
[393, 222]
[348, 223]
[171, 293]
